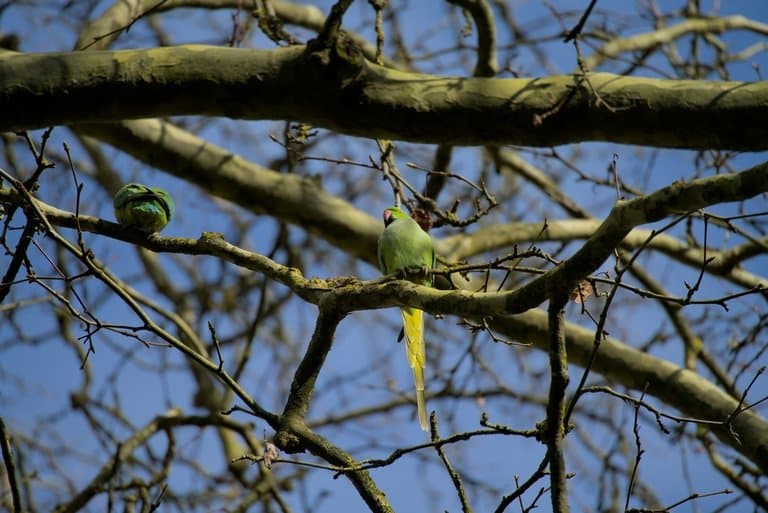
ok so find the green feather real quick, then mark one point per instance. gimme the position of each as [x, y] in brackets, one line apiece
[148, 209]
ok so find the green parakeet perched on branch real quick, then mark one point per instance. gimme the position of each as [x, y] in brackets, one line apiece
[149, 209]
[404, 245]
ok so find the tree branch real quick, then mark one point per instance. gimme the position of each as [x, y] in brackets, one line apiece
[555, 425]
[10, 467]
[647, 40]
[39, 90]
[680, 388]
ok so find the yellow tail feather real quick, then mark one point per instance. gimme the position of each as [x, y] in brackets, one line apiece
[413, 325]
[421, 402]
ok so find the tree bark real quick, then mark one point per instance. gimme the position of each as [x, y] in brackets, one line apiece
[351, 95]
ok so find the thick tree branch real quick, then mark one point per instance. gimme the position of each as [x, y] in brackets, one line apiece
[353, 96]
[675, 386]
[555, 426]
[294, 435]
[304, 379]
[482, 14]
[361, 479]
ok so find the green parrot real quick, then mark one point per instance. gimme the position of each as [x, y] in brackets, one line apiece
[404, 245]
[149, 209]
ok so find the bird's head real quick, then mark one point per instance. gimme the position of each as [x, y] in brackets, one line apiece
[393, 213]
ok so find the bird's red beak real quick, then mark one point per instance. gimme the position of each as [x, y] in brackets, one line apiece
[387, 217]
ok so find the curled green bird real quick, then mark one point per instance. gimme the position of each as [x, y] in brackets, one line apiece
[404, 245]
[148, 209]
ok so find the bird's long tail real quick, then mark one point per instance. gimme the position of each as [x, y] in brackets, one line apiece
[413, 325]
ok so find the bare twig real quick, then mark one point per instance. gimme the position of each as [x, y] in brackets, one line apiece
[10, 467]
[575, 32]
[638, 449]
[454, 475]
